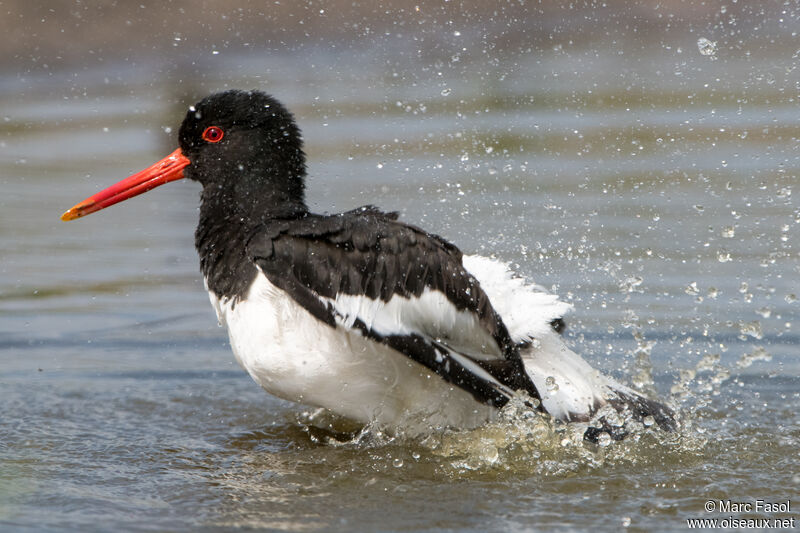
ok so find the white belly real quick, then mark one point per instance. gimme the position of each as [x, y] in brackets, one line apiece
[296, 357]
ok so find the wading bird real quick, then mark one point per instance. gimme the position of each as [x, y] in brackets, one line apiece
[372, 318]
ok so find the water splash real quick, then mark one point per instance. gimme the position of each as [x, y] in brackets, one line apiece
[759, 354]
[523, 440]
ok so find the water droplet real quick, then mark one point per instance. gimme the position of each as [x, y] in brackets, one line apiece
[723, 256]
[752, 329]
[398, 463]
[551, 384]
[692, 288]
[446, 92]
[743, 287]
[604, 439]
[728, 232]
[631, 284]
[706, 47]
[490, 454]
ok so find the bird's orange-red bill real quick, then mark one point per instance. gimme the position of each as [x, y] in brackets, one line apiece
[168, 169]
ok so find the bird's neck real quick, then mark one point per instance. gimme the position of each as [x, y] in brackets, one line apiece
[228, 218]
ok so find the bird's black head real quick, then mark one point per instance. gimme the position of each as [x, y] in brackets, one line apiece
[246, 150]
[242, 146]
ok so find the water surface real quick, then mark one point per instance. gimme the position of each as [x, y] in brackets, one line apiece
[656, 192]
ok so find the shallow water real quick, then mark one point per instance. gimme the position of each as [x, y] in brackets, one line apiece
[666, 214]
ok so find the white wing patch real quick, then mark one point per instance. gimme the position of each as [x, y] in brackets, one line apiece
[430, 315]
[526, 309]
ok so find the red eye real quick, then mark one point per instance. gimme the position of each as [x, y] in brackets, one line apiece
[213, 134]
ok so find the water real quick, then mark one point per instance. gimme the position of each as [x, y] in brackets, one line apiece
[656, 191]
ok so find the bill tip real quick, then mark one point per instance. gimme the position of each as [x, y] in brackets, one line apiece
[79, 210]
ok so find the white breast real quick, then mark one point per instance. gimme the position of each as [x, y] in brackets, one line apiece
[294, 356]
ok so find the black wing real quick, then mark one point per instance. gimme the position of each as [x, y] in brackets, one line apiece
[362, 269]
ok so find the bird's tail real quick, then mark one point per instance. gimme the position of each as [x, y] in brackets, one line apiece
[570, 389]
[573, 391]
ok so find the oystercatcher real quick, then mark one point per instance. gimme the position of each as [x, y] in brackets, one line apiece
[372, 318]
